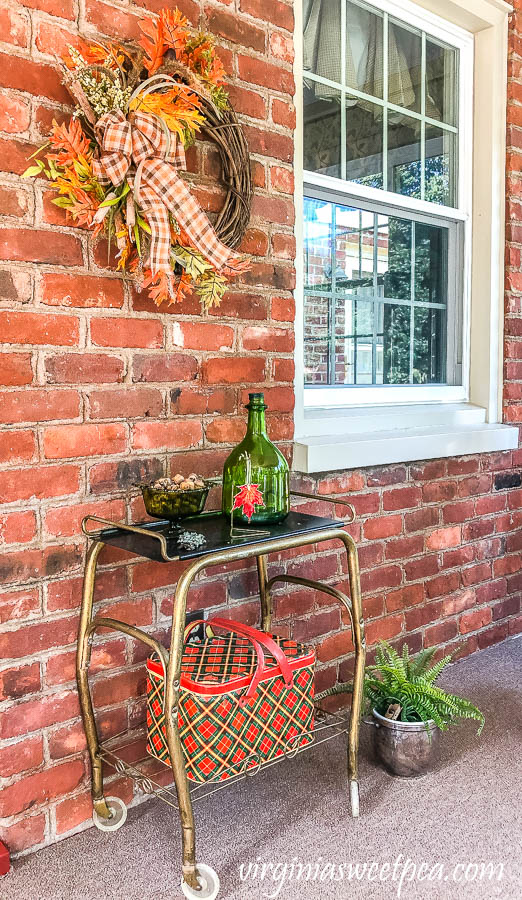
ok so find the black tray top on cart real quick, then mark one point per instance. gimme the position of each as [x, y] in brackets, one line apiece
[153, 541]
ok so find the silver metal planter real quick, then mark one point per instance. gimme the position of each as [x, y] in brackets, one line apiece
[408, 749]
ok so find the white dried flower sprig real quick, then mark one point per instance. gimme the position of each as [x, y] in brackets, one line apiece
[103, 92]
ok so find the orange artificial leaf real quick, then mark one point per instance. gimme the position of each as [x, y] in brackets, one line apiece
[153, 43]
[69, 142]
[175, 30]
[247, 497]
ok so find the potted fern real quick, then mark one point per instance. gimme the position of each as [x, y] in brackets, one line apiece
[409, 710]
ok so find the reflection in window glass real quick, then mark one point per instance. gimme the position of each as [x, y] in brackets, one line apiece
[375, 297]
[404, 67]
[441, 82]
[322, 133]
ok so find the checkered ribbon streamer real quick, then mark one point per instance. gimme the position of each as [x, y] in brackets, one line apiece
[138, 149]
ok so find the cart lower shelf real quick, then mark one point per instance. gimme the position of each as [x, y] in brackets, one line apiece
[327, 727]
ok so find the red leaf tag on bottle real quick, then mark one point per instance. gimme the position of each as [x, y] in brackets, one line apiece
[247, 498]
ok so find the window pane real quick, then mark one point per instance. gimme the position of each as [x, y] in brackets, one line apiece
[364, 50]
[322, 129]
[395, 336]
[322, 38]
[404, 67]
[364, 142]
[440, 167]
[317, 245]
[376, 297]
[404, 155]
[354, 249]
[395, 236]
[431, 252]
[316, 362]
[354, 340]
[441, 82]
[428, 346]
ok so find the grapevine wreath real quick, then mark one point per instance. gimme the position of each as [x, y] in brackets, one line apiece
[115, 164]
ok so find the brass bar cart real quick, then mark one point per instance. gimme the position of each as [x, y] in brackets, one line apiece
[153, 541]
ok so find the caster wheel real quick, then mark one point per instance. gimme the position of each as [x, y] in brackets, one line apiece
[209, 884]
[354, 799]
[118, 812]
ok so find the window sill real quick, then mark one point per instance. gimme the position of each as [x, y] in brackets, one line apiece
[459, 430]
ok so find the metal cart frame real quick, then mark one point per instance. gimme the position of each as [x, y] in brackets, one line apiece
[326, 530]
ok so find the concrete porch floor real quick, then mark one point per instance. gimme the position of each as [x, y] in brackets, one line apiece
[467, 812]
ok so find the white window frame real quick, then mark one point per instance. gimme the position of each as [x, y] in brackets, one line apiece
[328, 418]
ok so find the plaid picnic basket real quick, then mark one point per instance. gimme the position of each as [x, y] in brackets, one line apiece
[246, 697]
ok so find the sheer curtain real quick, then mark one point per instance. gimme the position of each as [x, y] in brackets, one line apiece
[364, 55]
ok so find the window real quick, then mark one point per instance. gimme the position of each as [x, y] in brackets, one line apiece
[383, 302]
[400, 218]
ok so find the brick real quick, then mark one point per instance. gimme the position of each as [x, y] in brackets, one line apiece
[401, 498]
[475, 574]
[202, 336]
[125, 403]
[123, 474]
[428, 471]
[339, 644]
[284, 370]
[48, 247]
[22, 756]
[61, 668]
[318, 624]
[65, 521]
[469, 487]
[33, 328]
[255, 242]
[27, 832]
[383, 527]
[474, 620]
[32, 715]
[66, 593]
[64, 441]
[383, 629]
[452, 606]
[225, 430]
[39, 482]
[439, 491]
[15, 369]
[84, 368]
[107, 691]
[17, 527]
[63, 8]
[27, 565]
[122, 332]
[421, 519]
[73, 812]
[382, 577]
[35, 638]
[235, 29]
[421, 568]
[241, 306]
[508, 607]
[443, 584]
[404, 548]
[52, 40]
[19, 605]
[178, 435]
[493, 590]
[458, 557]
[33, 77]
[193, 401]
[38, 405]
[14, 154]
[15, 117]
[283, 113]
[462, 465]
[439, 634]
[40, 788]
[164, 367]
[81, 291]
[284, 247]
[270, 209]
[14, 27]
[283, 309]
[234, 370]
[18, 681]
[422, 615]
[443, 538]
[493, 635]
[258, 71]
[249, 103]
[273, 11]
[404, 597]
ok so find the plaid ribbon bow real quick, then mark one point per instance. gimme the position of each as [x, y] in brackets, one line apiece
[140, 141]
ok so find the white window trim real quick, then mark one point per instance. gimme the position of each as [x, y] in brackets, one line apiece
[329, 436]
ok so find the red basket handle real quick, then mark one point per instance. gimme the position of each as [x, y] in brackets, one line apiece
[262, 639]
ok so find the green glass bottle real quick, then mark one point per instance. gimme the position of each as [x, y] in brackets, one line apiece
[256, 460]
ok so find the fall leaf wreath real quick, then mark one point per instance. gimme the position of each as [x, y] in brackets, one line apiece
[115, 164]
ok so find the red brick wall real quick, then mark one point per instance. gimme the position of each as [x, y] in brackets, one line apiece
[99, 390]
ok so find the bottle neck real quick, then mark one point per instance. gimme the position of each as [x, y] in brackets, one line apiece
[256, 419]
